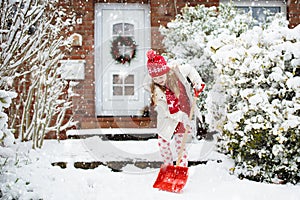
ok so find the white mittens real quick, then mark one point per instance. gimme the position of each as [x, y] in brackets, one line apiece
[198, 88]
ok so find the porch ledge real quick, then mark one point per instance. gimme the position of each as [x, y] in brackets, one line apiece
[111, 131]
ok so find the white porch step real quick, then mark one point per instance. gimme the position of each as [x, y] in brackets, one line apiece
[111, 131]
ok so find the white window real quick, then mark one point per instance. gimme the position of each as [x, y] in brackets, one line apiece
[124, 29]
[260, 9]
[123, 85]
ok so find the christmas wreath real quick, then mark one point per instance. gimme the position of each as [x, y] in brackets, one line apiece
[122, 42]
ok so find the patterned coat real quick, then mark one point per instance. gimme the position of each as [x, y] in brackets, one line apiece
[166, 122]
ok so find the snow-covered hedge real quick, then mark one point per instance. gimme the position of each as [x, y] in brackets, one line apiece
[258, 80]
[186, 38]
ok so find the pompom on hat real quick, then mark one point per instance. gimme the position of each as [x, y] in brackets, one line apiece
[156, 64]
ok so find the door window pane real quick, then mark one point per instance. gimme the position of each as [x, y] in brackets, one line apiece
[123, 44]
[117, 79]
[128, 29]
[129, 79]
[118, 29]
[117, 90]
[129, 90]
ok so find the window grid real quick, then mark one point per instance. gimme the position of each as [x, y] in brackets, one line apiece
[123, 85]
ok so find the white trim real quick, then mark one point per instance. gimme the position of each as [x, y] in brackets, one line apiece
[259, 3]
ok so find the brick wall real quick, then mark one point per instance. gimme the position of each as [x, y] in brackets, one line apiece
[162, 11]
[293, 12]
[84, 104]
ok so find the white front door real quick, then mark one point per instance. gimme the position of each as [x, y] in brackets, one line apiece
[122, 37]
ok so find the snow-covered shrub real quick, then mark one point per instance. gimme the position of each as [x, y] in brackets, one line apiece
[30, 50]
[186, 38]
[6, 141]
[14, 160]
[10, 186]
[6, 137]
[258, 77]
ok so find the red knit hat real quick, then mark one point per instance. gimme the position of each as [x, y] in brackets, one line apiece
[156, 64]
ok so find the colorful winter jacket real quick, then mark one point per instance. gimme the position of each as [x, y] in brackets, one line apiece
[167, 122]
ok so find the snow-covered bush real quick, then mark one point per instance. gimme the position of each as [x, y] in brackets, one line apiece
[6, 137]
[11, 186]
[31, 47]
[186, 38]
[258, 78]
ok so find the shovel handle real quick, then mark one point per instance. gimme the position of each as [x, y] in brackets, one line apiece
[185, 133]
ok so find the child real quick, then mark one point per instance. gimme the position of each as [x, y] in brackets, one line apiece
[171, 96]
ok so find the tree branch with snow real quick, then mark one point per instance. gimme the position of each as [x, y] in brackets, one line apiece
[31, 47]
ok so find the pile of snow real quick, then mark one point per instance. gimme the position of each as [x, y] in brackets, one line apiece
[35, 177]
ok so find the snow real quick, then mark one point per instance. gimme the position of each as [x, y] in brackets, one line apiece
[30, 174]
[206, 181]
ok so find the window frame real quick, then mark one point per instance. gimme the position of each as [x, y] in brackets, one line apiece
[259, 3]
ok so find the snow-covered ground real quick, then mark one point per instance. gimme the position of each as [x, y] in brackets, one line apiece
[206, 181]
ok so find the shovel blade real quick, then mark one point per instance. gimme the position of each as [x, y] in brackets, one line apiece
[171, 178]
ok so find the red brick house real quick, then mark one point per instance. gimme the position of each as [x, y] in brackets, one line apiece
[111, 93]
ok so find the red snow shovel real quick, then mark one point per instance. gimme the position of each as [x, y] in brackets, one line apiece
[173, 178]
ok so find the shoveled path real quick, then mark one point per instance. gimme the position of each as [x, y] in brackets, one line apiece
[118, 151]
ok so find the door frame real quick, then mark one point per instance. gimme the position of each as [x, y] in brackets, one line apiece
[98, 68]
